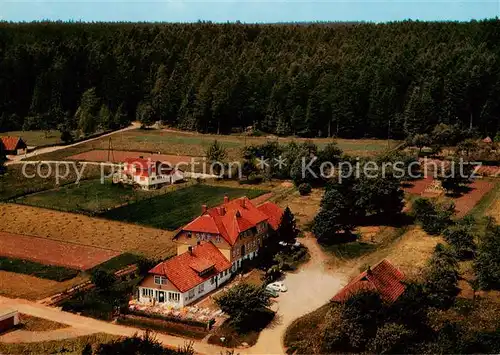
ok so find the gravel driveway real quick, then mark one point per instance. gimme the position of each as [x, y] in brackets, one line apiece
[308, 289]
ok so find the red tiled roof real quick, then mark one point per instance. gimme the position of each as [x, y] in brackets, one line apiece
[229, 219]
[273, 212]
[383, 278]
[10, 142]
[184, 270]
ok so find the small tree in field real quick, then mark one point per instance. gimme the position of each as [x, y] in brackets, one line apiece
[335, 216]
[441, 283]
[287, 230]
[216, 155]
[244, 303]
[487, 263]
[433, 217]
[461, 239]
[420, 141]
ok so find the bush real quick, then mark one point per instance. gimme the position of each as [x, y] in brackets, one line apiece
[305, 189]
[434, 217]
[50, 272]
[244, 303]
[461, 239]
[487, 263]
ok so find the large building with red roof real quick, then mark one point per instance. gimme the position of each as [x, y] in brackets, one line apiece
[210, 249]
[384, 279]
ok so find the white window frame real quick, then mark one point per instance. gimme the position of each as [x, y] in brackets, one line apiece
[201, 288]
[160, 280]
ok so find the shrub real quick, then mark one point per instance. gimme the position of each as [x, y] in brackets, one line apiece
[161, 325]
[244, 303]
[441, 283]
[461, 239]
[305, 189]
[434, 217]
[487, 263]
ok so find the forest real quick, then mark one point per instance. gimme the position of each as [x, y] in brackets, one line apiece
[313, 80]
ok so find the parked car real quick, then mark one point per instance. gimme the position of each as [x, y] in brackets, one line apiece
[277, 286]
[272, 292]
[295, 244]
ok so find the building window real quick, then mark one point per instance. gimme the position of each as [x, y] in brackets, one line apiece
[191, 293]
[160, 280]
[188, 234]
[150, 292]
[217, 238]
[201, 288]
[144, 292]
[174, 297]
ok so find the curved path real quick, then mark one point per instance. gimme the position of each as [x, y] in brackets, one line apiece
[17, 159]
[308, 289]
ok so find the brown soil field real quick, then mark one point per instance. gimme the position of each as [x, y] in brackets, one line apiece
[467, 202]
[118, 156]
[33, 288]
[76, 228]
[52, 252]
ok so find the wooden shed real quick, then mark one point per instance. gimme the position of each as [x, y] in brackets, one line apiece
[9, 318]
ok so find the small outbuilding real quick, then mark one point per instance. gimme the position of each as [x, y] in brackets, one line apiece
[13, 145]
[9, 318]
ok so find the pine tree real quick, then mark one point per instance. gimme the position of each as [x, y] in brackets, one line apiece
[87, 115]
[287, 230]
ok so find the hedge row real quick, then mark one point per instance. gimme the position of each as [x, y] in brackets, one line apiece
[191, 322]
[170, 327]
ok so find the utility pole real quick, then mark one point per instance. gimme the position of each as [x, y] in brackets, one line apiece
[389, 135]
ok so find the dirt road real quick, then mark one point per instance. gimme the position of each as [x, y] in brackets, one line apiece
[16, 159]
[82, 325]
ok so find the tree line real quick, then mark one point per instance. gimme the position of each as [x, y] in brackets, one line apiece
[348, 80]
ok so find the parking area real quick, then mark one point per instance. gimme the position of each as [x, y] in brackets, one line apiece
[308, 289]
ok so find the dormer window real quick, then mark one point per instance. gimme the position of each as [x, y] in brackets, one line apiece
[160, 280]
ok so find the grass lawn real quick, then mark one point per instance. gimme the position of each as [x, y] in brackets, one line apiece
[16, 183]
[51, 272]
[67, 346]
[87, 196]
[35, 324]
[36, 138]
[195, 144]
[489, 205]
[172, 210]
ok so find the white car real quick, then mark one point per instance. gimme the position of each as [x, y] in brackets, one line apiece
[277, 286]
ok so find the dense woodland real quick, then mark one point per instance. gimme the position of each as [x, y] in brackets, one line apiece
[348, 80]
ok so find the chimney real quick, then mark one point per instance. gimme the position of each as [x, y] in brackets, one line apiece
[243, 201]
[369, 270]
[222, 211]
[203, 209]
[226, 198]
[190, 250]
